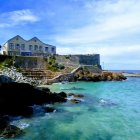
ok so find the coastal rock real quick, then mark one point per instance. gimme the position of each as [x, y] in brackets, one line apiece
[7, 130]
[49, 109]
[45, 89]
[56, 97]
[63, 94]
[16, 98]
[96, 77]
[10, 131]
[3, 123]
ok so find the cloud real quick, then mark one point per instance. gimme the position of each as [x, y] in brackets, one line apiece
[112, 30]
[105, 50]
[117, 57]
[19, 17]
[108, 20]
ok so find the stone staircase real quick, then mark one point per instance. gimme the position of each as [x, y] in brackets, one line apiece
[39, 74]
[47, 76]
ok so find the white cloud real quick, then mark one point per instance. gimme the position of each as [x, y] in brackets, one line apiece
[112, 31]
[19, 17]
[116, 57]
[103, 50]
[108, 20]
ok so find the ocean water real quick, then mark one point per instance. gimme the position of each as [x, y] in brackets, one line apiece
[127, 71]
[108, 111]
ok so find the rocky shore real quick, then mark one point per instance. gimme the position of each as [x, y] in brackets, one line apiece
[18, 99]
[83, 75]
[19, 94]
[86, 75]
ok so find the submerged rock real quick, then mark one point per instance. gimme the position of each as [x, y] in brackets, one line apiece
[106, 102]
[75, 101]
[73, 88]
[76, 95]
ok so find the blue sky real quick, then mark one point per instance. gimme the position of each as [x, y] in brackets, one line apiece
[108, 27]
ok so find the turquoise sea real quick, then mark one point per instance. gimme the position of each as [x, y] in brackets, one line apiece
[108, 111]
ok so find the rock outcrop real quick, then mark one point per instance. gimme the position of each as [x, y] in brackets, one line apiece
[17, 98]
[82, 75]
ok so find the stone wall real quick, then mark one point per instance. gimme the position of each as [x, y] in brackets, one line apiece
[30, 62]
[89, 59]
[93, 59]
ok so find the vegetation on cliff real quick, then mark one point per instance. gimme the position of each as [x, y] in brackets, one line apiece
[53, 65]
[7, 61]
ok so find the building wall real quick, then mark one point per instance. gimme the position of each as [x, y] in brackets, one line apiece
[18, 46]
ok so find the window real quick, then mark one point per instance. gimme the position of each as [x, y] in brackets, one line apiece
[40, 48]
[30, 47]
[53, 49]
[46, 49]
[35, 47]
[23, 46]
[17, 46]
[11, 46]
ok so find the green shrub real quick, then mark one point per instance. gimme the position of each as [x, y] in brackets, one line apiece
[67, 57]
[61, 67]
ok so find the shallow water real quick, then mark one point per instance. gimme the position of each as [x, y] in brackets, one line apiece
[109, 111]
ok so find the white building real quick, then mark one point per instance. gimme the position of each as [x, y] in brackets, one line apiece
[17, 46]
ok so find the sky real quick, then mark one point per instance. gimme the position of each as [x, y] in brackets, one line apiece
[108, 27]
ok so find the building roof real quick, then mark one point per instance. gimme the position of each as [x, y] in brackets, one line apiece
[28, 40]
